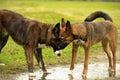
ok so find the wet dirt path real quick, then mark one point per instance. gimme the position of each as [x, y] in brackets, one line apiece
[96, 71]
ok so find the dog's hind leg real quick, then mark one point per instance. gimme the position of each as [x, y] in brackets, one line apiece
[105, 44]
[74, 54]
[3, 41]
[39, 58]
[113, 47]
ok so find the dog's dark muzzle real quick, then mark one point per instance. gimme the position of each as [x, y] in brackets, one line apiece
[58, 45]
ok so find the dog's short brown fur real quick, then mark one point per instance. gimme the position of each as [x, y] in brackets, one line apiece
[28, 33]
[89, 33]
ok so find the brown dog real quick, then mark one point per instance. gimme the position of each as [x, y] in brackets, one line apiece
[89, 33]
[29, 33]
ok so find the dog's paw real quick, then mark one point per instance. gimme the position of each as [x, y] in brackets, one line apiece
[110, 69]
[32, 75]
[70, 72]
[84, 76]
[45, 72]
[112, 72]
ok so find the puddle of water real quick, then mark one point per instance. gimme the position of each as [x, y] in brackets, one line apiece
[97, 70]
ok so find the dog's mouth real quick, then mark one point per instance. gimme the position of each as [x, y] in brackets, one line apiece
[58, 52]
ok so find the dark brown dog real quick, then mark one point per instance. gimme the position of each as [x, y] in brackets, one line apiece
[28, 33]
[89, 33]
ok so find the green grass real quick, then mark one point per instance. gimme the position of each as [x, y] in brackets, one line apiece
[52, 12]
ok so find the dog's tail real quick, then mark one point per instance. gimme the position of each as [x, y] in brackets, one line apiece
[98, 14]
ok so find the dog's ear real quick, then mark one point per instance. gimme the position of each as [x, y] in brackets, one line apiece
[56, 30]
[68, 26]
[63, 23]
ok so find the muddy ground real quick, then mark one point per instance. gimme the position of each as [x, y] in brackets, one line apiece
[98, 70]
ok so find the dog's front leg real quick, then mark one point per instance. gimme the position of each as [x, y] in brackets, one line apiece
[87, 49]
[29, 58]
[74, 54]
[40, 60]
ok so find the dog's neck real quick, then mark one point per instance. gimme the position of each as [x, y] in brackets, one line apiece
[45, 39]
[79, 37]
[79, 31]
[45, 33]
[49, 34]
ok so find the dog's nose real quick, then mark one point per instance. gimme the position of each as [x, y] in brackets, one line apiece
[58, 53]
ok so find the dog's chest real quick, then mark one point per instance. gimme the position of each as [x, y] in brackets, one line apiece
[41, 45]
[79, 42]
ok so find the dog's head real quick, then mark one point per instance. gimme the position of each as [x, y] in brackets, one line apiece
[57, 44]
[63, 36]
[65, 31]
